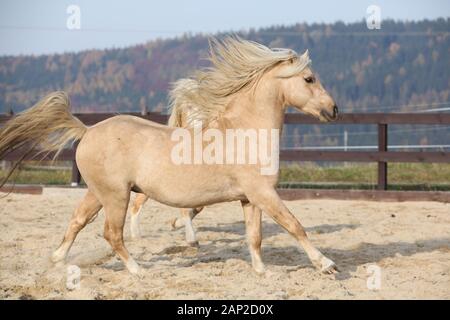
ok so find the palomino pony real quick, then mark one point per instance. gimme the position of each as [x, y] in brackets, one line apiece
[249, 86]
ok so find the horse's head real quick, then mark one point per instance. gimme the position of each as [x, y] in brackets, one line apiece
[303, 91]
[278, 77]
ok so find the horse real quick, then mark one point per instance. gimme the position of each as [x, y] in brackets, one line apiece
[247, 87]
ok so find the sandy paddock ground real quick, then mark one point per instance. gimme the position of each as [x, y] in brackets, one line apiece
[409, 242]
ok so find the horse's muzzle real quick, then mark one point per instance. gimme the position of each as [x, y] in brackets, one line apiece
[330, 116]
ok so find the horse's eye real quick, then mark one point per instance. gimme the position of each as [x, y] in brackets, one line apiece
[310, 79]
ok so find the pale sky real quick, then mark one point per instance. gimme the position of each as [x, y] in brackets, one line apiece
[39, 26]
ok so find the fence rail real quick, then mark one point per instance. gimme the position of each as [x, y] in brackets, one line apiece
[382, 156]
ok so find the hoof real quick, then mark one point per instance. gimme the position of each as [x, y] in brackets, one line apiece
[328, 266]
[260, 270]
[133, 268]
[258, 265]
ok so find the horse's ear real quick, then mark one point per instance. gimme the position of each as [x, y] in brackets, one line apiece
[305, 55]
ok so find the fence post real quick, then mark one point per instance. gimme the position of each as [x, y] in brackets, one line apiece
[76, 176]
[382, 146]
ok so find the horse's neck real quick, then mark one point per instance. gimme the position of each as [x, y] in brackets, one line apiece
[255, 112]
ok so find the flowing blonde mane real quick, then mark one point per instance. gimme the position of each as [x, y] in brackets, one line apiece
[236, 64]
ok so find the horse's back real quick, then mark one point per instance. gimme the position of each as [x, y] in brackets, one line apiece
[127, 120]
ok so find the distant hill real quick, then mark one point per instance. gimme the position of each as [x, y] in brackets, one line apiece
[403, 64]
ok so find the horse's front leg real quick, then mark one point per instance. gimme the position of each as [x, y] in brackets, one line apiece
[268, 200]
[252, 215]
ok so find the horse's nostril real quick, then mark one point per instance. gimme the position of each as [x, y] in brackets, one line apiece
[335, 111]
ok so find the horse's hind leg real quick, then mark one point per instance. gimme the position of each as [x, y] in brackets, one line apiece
[84, 213]
[135, 215]
[115, 212]
[187, 216]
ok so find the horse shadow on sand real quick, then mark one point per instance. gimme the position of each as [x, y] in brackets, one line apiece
[214, 249]
[348, 260]
[270, 229]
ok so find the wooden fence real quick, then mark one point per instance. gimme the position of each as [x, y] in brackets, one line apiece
[382, 156]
